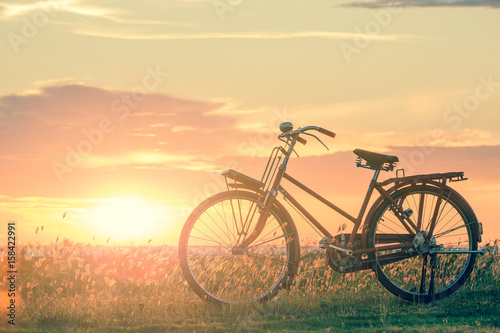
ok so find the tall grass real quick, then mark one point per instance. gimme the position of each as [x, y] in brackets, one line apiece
[73, 285]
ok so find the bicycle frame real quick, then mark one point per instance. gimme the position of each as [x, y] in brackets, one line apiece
[357, 221]
[413, 228]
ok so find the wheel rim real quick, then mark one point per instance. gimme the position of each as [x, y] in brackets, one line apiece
[226, 272]
[411, 277]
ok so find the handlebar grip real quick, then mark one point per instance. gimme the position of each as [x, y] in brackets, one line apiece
[303, 141]
[326, 132]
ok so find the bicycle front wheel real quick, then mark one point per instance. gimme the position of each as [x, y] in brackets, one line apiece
[218, 269]
[407, 272]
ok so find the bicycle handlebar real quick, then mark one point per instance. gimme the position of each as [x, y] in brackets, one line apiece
[307, 128]
[326, 132]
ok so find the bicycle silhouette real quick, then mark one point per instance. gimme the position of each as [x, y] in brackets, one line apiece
[420, 236]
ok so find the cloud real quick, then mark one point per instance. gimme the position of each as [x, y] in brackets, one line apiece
[151, 22]
[237, 35]
[149, 161]
[424, 3]
[44, 122]
[14, 10]
[178, 138]
[72, 13]
[182, 128]
[159, 131]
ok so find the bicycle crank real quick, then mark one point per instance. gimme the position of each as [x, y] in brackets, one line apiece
[339, 258]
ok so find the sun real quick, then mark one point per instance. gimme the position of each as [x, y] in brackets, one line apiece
[128, 219]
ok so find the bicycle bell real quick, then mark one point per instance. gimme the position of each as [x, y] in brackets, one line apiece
[286, 126]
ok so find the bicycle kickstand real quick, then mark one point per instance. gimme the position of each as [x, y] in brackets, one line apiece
[432, 291]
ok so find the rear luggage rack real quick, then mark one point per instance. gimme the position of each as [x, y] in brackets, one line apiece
[451, 176]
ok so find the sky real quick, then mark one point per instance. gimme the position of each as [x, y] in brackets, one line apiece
[117, 117]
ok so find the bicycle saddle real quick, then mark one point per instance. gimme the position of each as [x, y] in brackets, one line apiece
[375, 159]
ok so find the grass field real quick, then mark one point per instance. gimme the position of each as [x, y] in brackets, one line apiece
[73, 287]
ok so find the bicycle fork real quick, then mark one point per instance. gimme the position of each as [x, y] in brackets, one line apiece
[264, 213]
[268, 203]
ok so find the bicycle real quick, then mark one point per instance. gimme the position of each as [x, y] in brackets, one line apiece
[420, 236]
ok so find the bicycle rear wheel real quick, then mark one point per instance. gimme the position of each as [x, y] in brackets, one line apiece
[407, 272]
[218, 269]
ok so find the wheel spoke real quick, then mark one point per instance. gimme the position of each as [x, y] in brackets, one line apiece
[267, 241]
[218, 226]
[420, 211]
[454, 229]
[223, 217]
[235, 219]
[397, 224]
[211, 240]
[438, 218]
[430, 213]
[249, 219]
[221, 243]
[272, 231]
[208, 228]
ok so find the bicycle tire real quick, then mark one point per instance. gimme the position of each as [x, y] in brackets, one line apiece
[220, 272]
[407, 278]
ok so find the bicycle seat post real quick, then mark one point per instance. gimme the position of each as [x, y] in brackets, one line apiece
[371, 187]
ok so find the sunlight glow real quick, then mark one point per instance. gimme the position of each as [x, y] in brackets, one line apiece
[124, 219]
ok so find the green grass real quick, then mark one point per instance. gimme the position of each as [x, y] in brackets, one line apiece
[79, 288]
